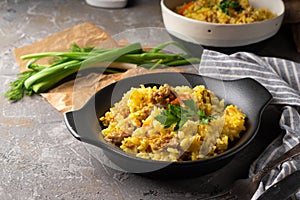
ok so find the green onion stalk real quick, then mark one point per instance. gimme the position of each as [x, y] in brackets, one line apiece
[41, 78]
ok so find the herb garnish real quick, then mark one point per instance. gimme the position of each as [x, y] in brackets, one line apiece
[226, 4]
[179, 115]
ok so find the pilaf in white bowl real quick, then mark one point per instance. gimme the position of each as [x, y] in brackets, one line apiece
[217, 24]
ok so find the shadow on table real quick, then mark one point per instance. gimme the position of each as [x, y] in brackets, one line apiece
[281, 45]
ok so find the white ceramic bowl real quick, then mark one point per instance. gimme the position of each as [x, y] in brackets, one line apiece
[107, 3]
[222, 35]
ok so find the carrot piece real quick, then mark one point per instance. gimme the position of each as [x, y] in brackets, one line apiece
[175, 101]
[181, 11]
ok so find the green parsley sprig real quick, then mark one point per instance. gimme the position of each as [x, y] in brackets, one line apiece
[226, 4]
[180, 114]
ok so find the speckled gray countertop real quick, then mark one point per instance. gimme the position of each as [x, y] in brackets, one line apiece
[39, 159]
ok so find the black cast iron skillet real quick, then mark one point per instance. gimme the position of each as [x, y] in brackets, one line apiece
[246, 93]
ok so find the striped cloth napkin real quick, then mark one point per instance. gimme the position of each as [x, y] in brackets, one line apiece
[282, 78]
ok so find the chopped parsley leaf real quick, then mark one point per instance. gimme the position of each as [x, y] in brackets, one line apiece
[179, 115]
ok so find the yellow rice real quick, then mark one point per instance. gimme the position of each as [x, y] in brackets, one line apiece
[209, 11]
[131, 125]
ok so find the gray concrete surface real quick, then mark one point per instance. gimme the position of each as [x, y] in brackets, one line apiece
[39, 159]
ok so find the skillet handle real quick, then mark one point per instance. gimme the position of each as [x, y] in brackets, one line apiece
[70, 123]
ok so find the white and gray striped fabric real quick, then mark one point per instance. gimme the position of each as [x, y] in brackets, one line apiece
[282, 78]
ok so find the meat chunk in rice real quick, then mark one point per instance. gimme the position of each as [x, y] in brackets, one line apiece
[163, 96]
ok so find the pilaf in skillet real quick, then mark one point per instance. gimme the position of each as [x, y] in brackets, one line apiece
[172, 123]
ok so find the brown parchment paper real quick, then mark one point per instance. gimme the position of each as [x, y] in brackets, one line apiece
[85, 34]
[73, 94]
